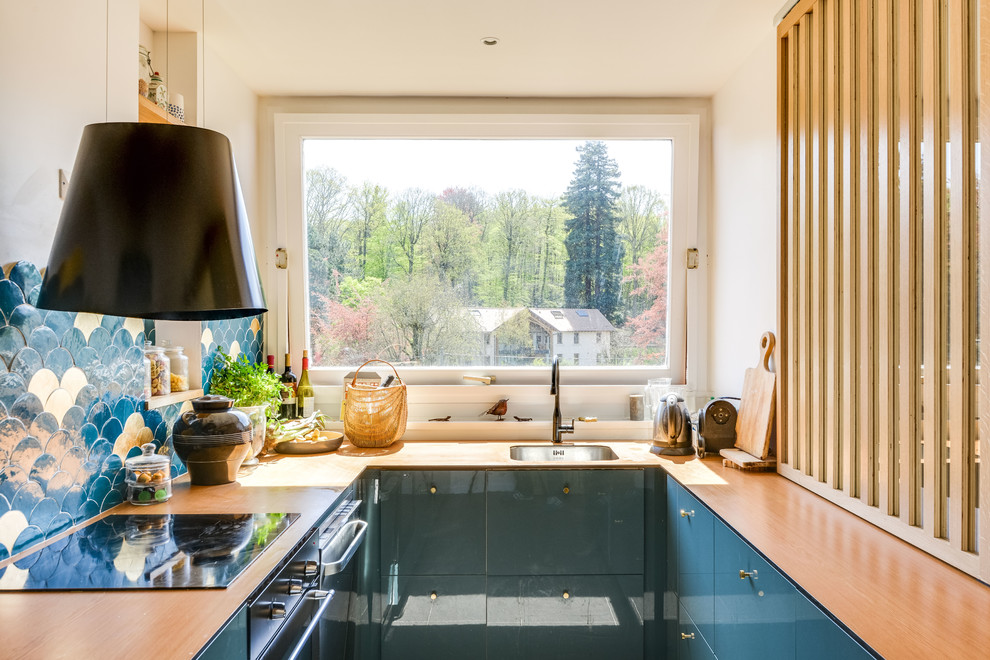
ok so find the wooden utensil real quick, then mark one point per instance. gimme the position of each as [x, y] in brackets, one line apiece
[754, 425]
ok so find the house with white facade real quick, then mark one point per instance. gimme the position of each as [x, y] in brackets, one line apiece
[576, 336]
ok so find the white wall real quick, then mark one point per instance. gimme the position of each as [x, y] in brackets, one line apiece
[743, 231]
[58, 72]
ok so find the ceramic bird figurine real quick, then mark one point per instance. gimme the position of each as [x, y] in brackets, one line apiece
[499, 409]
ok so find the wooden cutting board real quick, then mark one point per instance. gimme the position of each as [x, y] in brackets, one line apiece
[754, 425]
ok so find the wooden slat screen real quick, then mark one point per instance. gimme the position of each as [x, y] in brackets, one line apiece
[878, 110]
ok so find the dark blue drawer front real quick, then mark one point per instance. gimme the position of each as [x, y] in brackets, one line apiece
[555, 522]
[433, 522]
[433, 617]
[754, 613]
[692, 553]
[820, 638]
[232, 642]
[565, 616]
[689, 643]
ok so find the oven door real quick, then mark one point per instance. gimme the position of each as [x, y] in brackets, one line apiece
[320, 628]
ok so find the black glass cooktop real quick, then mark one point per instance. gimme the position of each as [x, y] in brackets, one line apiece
[167, 551]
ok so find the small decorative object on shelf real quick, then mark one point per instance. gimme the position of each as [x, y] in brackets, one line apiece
[178, 366]
[144, 71]
[499, 409]
[157, 91]
[176, 106]
[161, 381]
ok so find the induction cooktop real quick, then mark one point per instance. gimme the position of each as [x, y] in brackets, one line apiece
[136, 551]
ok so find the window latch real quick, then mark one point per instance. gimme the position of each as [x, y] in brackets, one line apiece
[692, 258]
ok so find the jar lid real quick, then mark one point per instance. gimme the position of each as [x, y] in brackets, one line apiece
[151, 348]
[148, 460]
[212, 403]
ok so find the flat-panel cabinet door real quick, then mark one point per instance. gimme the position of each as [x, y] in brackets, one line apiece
[689, 643]
[556, 522]
[754, 604]
[232, 642]
[692, 555]
[433, 522]
[820, 638]
[566, 617]
[433, 617]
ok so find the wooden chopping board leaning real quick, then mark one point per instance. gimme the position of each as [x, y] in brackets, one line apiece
[757, 409]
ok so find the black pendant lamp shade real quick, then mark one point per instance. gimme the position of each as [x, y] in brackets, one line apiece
[153, 227]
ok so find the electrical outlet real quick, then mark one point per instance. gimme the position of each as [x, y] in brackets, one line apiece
[63, 183]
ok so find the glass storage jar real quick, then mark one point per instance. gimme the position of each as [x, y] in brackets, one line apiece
[179, 368]
[160, 378]
[148, 477]
[147, 378]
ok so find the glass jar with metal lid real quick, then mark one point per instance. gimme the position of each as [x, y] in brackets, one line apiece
[148, 477]
[178, 368]
[160, 379]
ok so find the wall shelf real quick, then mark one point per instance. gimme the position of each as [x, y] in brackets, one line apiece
[169, 399]
[149, 113]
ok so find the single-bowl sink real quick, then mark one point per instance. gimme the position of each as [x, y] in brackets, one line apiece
[562, 452]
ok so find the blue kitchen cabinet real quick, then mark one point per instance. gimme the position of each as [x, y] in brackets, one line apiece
[754, 603]
[433, 522]
[820, 638]
[565, 616]
[689, 643]
[565, 522]
[691, 556]
[231, 642]
[433, 617]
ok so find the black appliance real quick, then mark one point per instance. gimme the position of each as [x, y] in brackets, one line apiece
[716, 427]
[302, 612]
[139, 551]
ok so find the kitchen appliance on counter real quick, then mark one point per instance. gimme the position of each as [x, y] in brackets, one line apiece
[672, 427]
[716, 427]
[302, 612]
[136, 551]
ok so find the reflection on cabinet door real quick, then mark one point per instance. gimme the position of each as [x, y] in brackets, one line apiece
[754, 604]
[820, 638]
[565, 616]
[689, 643]
[559, 522]
[433, 522]
[691, 553]
[433, 617]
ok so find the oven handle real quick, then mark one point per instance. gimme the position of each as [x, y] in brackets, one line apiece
[355, 527]
[326, 597]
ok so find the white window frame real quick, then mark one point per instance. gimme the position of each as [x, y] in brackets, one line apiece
[292, 129]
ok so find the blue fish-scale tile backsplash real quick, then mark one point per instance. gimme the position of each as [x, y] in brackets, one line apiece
[71, 408]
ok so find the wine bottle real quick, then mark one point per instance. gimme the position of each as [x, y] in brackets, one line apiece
[288, 391]
[271, 364]
[305, 396]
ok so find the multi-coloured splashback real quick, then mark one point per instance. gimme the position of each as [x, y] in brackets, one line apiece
[71, 409]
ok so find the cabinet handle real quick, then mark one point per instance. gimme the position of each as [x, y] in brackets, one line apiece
[747, 574]
[687, 514]
[687, 635]
[566, 594]
[567, 489]
[311, 569]
[433, 490]
[433, 595]
[276, 610]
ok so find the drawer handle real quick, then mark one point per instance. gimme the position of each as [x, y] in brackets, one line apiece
[687, 514]
[433, 595]
[687, 635]
[566, 594]
[311, 569]
[433, 490]
[748, 574]
[567, 489]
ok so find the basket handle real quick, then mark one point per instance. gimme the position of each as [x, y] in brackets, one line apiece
[397, 376]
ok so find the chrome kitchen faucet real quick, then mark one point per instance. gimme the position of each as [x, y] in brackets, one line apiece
[558, 427]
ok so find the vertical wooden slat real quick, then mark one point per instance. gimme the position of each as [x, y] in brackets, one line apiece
[934, 268]
[962, 273]
[804, 238]
[833, 200]
[784, 169]
[867, 238]
[909, 278]
[850, 249]
[816, 245]
[885, 297]
[794, 179]
[984, 311]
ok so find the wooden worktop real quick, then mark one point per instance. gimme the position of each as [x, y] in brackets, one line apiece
[901, 601]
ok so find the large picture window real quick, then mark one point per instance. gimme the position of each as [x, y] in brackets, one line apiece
[487, 241]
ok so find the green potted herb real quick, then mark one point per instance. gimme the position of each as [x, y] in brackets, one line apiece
[253, 390]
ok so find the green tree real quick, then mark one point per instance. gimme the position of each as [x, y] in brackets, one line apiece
[643, 221]
[369, 202]
[549, 224]
[410, 216]
[451, 244]
[326, 228]
[593, 271]
[511, 215]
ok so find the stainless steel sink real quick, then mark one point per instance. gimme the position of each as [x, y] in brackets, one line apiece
[561, 452]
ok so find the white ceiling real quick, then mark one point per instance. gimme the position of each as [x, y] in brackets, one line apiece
[547, 48]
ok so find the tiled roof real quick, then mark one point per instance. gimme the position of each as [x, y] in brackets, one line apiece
[573, 320]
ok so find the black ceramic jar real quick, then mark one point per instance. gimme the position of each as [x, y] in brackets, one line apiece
[212, 439]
